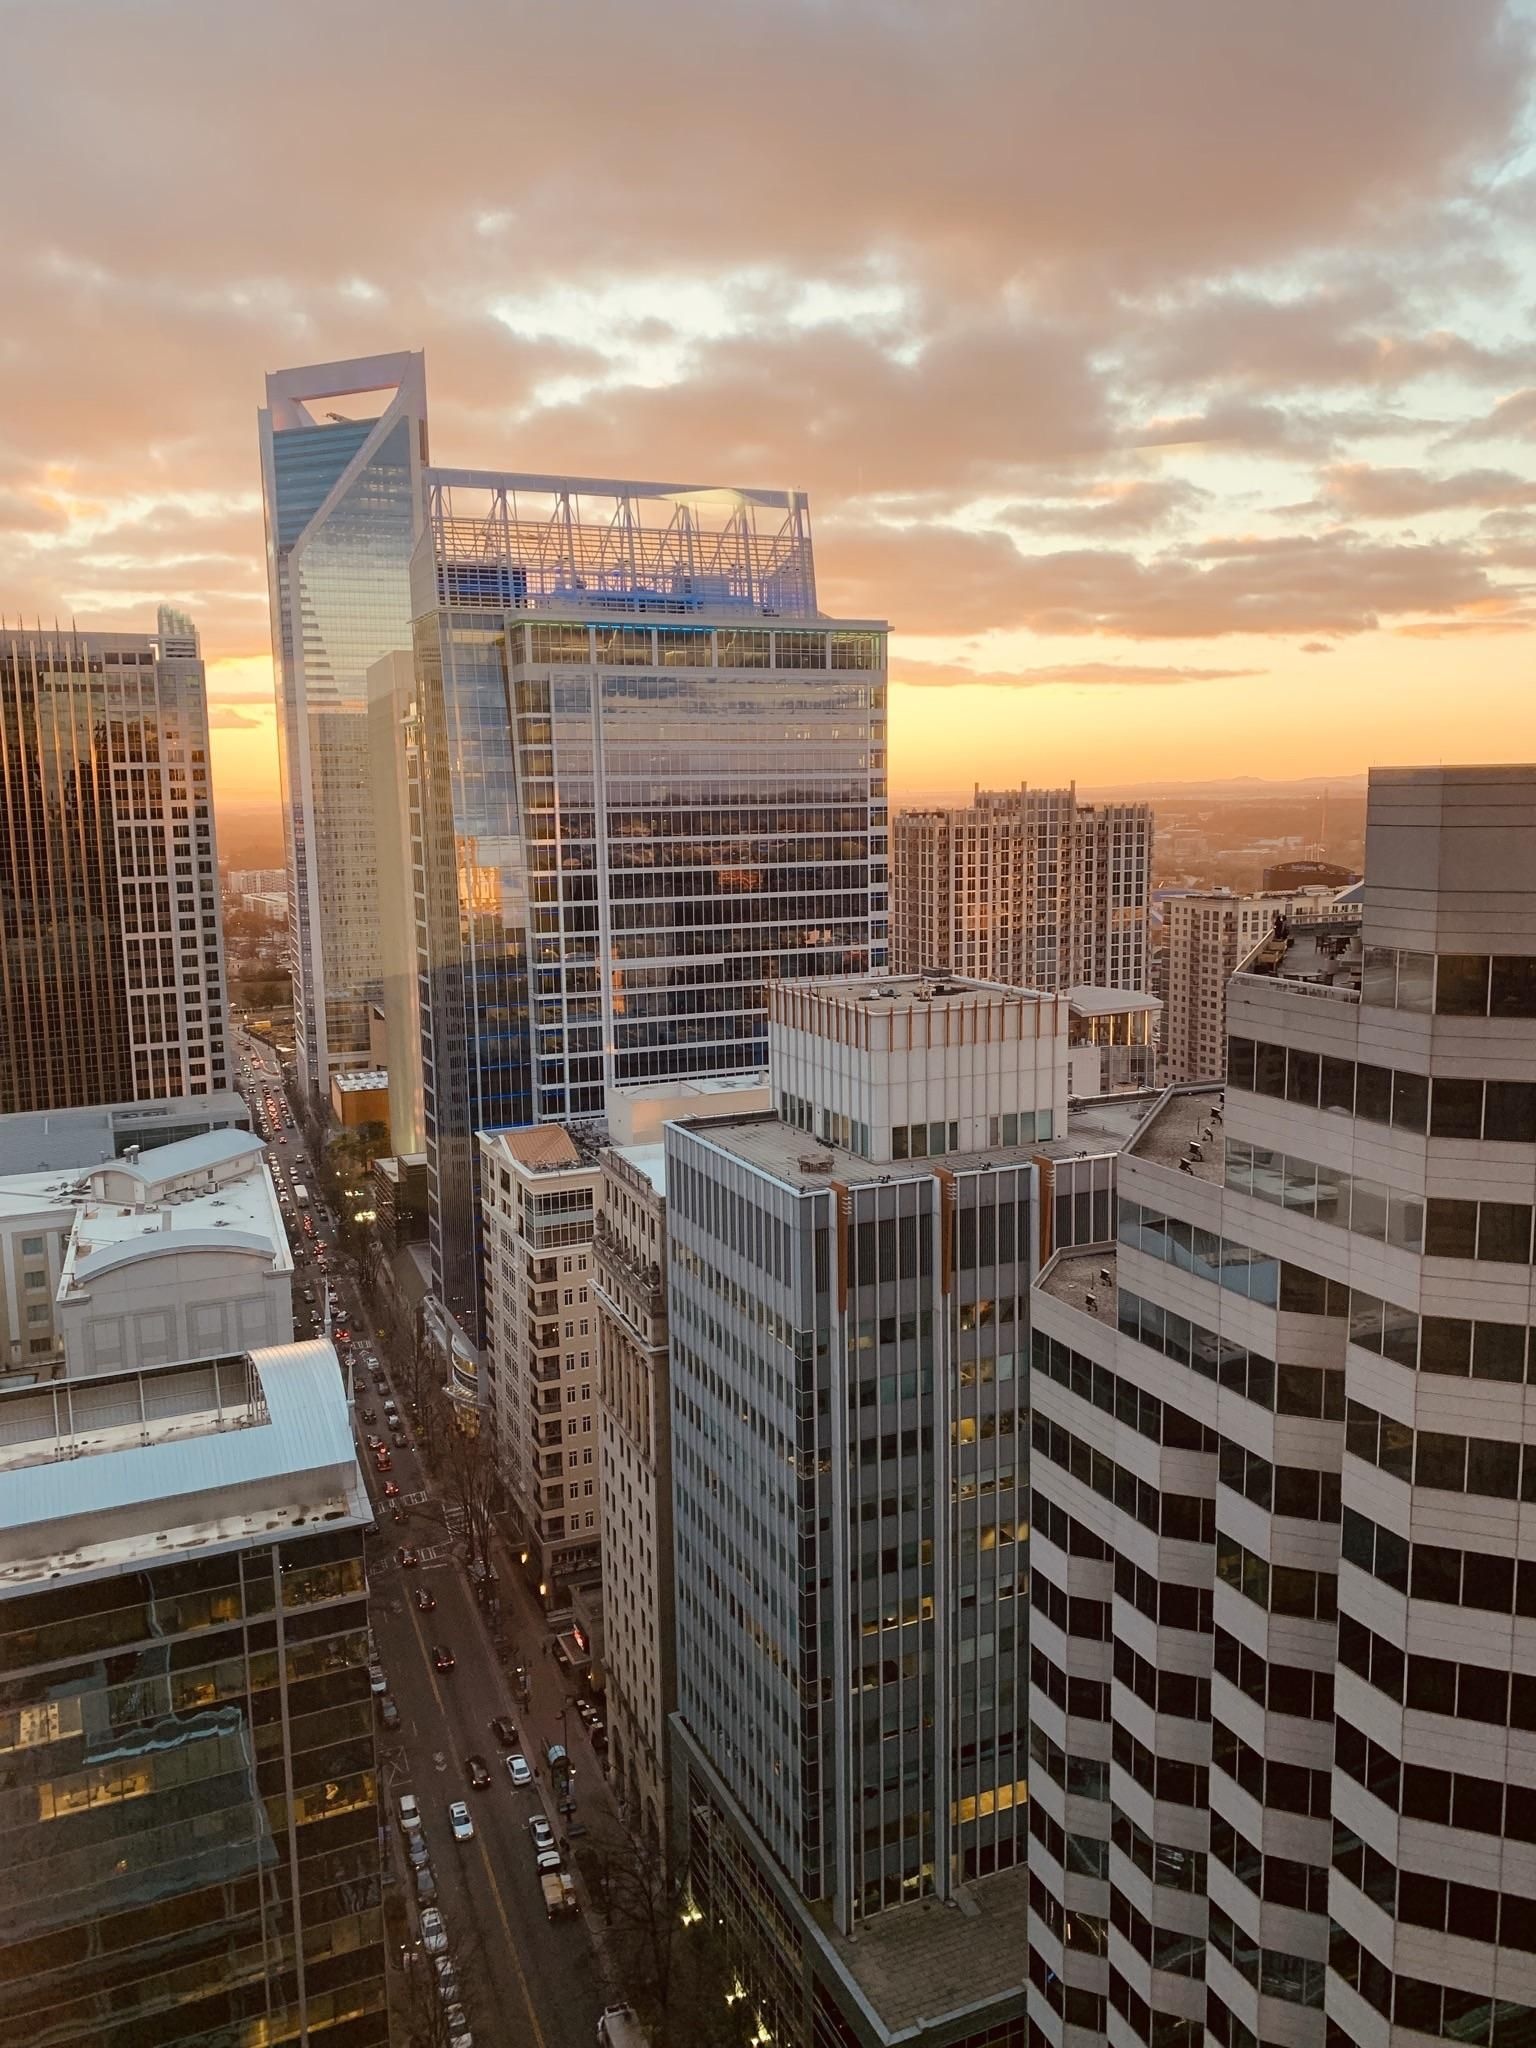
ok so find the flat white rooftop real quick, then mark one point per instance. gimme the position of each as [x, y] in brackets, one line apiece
[357, 1083]
[156, 1465]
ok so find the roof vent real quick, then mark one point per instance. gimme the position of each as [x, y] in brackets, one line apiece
[815, 1162]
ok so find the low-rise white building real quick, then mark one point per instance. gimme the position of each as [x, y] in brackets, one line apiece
[173, 1254]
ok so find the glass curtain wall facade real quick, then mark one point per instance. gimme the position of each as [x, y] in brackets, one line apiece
[189, 1805]
[628, 823]
[343, 500]
[111, 931]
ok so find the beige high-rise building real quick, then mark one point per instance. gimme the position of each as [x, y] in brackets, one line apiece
[1027, 887]
[1208, 935]
[630, 1287]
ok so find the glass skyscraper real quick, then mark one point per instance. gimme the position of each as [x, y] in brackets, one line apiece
[343, 499]
[111, 934]
[650, 779]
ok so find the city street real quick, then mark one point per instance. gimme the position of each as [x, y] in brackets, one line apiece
[528, 1982]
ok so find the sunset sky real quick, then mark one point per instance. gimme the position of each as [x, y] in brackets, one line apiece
[1165, 373]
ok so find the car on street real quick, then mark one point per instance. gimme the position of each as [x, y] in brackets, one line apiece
[599, 1735]
[426, 1886]
[434, 1933]
[461, 1820]
[410, 1814]
[377, 1682]
[547, 1861]
[425, 1601]
[389, 1713]
[360, 1387]
[587, 1711]
[406, 1558]
[518, 1770]
[505, 1731]
[447, 1980]
[543, 1834]
[418, 1852]
[383, 1461]
[459, 2035]
[442, 1657]
[479, 1775]
[391, 1489]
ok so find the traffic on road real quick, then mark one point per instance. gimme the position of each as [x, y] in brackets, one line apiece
[486, 1918]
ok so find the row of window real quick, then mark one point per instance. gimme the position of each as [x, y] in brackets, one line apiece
[1471, 2017]
[1236, 1268]
[1278, 1688]
[1084, 1777]
[1173, 1949]
[1160, 1777]
[1314, 1391]
[1163, 1863]
[1158, 1421]
[1087, 1620]
[1435, 1571]
[1292, 1788]
[1179, 1693]
[1181, 1517]
[1472, 1911]
[1278, 1588]
[1457, 1799]
[1085, 1699]
[1503, 1111]
[1449, 1462]
[1438, 1685]
[1156, 2029]
[1078, 1855]
[1279, 1880]
[1296, 1491]
[690, 647]
[1449, 984]
[1454, 1345]
[1273, 1972]
[1163, 1601]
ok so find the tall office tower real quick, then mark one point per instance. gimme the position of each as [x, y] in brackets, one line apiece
[629, 1286]
[111, 934]
[1283, 1654]
[1207, 935]
[392, 771]
[652, 780]
[848, 1299]
[342, 452]
[1025, 886]
[539, 1392]
[190, 1787]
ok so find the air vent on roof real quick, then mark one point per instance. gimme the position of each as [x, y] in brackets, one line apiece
[815, 1162]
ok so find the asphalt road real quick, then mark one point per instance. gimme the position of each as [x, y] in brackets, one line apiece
[528, 1982]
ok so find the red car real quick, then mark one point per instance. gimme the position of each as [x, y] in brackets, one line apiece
[391, 1490]
[383, 1462]
[407, 1558]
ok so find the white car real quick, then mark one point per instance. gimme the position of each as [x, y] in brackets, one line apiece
[377, 1682]
[547, 1860]
[434, 1935]
[543, 1834]
[410, 1814]
[447, 1980]
[461, 1821]
[517, 1768]
[459, 2035]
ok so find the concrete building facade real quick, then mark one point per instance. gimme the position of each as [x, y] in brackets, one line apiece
[848, 1325]
[1283, 1767]
[1028, 887]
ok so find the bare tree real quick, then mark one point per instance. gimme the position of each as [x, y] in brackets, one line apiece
[424, 2011]
[670, 1958]
[465, 1468]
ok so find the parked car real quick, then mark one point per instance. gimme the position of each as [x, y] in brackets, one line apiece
[505, 1731]
[426, 1886]
[410, 1814]
[391, 1489]
[417, 1852]
[599, 1736]
[461, 1820]
[434, 1933]
[543, 1834]
[546, 1861]
[425, 1601]
[518, 1770]
[479, 1776]
[459, 2035]
[389, 1713]
[377, 1682]
[447, 1980]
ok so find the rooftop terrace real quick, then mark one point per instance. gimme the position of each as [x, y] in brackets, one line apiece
[1324, 954]
[1185, 1132]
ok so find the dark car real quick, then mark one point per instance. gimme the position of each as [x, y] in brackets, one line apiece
[479, 1775]
[389, 1713]
[425, 1601]
[505, 1731]
[442, 1657]
[407, 1558]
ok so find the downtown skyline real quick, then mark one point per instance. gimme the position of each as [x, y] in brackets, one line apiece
[1211, 457]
